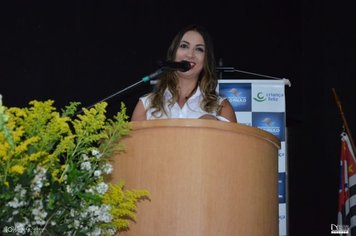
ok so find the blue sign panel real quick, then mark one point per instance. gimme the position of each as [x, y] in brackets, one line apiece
[272, 122]
[238, 94]
[281, 187]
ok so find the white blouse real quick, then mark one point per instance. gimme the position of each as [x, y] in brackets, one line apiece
[191, 108]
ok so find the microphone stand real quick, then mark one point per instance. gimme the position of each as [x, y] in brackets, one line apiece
[143, 80]
[232, 70]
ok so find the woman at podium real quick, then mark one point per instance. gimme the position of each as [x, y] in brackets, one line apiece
[188, 89]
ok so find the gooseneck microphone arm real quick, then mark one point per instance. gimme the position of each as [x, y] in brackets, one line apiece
[143, 80]
[164, 66]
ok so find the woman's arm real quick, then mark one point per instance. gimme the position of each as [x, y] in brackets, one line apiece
[227, 111]
[139, 113]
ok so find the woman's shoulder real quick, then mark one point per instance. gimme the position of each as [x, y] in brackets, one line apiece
[221, 99]
[146, 96]
[146, 99]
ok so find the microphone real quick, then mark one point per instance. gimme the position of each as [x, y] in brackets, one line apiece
[175, 65]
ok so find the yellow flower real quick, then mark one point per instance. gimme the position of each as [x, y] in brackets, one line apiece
[23, 146]
[18, 133]
[123, 203]
[17, 169]
[60, 171]
[35, 156]
[4, 148]
[17, 112]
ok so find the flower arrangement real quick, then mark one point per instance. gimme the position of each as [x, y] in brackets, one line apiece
[54, 168]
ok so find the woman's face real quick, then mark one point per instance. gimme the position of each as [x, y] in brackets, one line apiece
[192, 48]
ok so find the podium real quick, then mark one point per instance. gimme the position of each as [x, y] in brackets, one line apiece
[205, 178]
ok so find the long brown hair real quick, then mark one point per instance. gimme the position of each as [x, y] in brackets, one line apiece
[207, 80]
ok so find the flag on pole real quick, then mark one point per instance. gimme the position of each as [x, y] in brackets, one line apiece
[347, 187]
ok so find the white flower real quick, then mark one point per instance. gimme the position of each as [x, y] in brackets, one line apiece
[93, 208]
[18, 187]
[97, 173]
[107, 168]
[23, 193]
[69, 189]
[83, 214]
[38, 181]
[15, 203]
[102, 188]
[97, 214]
[39, 213]
[20, 228]
[96, 232]
[96, 153]
[6, 229]
[85, 166]
[104, 214]
[89, 190]
[85, 157]
[111, 231]
[37, 187]
[72, 212]
[76, 224]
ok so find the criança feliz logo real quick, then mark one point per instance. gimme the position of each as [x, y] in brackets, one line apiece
[259, 97]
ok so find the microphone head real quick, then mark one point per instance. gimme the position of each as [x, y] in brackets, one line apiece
[175, 65]
[185, 66]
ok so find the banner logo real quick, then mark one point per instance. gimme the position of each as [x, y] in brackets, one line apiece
[238, 94]
[269, 96]
[259, 97]
[272, 122]
[339, 229]
[267, 99]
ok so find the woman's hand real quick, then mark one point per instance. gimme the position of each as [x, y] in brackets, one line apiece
[227, 111]
[208, 117]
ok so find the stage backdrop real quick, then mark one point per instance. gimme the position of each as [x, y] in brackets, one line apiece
[261, 104]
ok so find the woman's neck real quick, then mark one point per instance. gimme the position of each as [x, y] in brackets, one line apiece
[187, 88]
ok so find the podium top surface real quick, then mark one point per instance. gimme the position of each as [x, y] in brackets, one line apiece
[208, 124]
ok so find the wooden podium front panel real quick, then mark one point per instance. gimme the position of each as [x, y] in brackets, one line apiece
[205, 178]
